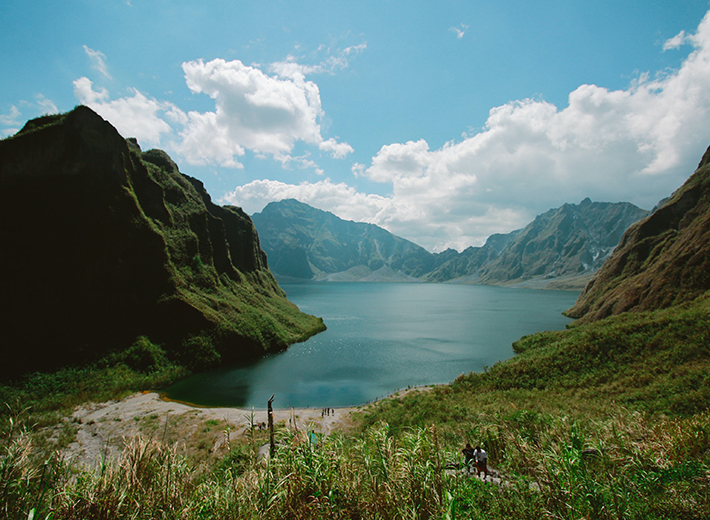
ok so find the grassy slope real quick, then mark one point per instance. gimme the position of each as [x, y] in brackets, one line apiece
[608, 420]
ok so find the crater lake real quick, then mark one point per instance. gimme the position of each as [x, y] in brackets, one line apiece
[382, 337]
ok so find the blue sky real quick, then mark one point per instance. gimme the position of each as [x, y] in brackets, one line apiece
[443, 122]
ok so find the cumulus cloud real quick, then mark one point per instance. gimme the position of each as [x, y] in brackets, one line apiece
[98, 61]
[254, 111]
[336, 149]
[637, 145]
[339, 198]
[135, 116]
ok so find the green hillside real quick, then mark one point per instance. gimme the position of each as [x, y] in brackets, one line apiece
[662, 260]
[110, 243]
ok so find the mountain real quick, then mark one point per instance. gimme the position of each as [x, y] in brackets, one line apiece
[566, 244]
[103, 242]
[563, 243]
[661, 261]
[307, 243]
[464, 267]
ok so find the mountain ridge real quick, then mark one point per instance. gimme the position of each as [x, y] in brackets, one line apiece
[561, 248]
[304, 242]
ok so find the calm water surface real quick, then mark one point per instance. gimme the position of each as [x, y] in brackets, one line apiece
[382, 337]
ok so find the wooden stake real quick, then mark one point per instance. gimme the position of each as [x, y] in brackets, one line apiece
[272, 445]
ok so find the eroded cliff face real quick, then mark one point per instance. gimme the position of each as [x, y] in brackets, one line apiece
[662, 260]
[102, 242]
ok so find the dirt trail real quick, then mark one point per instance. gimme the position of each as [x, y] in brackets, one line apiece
[102, 427]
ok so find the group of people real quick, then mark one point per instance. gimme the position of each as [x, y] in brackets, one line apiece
[479, 456]
[327, 411]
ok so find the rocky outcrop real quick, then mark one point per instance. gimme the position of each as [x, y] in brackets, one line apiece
[662, 260]
[103, 242]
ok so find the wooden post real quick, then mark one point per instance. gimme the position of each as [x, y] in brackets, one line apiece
[272, 445]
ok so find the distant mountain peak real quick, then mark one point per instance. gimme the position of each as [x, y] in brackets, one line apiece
[308, 243]
[569, 241]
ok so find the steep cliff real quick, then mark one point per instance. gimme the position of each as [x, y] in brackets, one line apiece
[102, 242]
[662, 260]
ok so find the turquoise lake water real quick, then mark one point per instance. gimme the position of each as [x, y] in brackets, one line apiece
[382, 337]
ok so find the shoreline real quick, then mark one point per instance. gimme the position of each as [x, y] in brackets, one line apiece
[399, 393]
[103, 428]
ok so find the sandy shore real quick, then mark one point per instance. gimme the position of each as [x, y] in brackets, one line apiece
[102, 428]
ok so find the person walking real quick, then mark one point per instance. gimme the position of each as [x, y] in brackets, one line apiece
[481, 462]
[468, 454]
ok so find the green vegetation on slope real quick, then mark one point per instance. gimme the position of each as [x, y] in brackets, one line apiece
[246, 304]
[662, 260]
[608, 420]
[110, 243]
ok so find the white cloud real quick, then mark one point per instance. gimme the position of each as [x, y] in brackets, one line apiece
[460, 30]
[339, 198]
[290, 68]
[47, 106]
[674, 43]
[336, 149]
[136, 116]
[637, 145]
[98, 61]
[254, 111]
[12, 118]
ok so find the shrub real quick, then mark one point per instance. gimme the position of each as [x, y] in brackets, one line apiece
[144, 356]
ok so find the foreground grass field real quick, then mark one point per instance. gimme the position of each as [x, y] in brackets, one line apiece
[608, 420]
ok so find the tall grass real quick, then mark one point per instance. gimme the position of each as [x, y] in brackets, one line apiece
[627, 466]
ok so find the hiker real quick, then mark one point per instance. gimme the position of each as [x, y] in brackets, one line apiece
[481, 459]
[468, 453]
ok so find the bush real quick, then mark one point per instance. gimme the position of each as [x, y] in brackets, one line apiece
[199, 353]
[144, 356]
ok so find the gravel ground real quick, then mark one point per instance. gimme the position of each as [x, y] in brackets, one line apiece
[103, 427]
